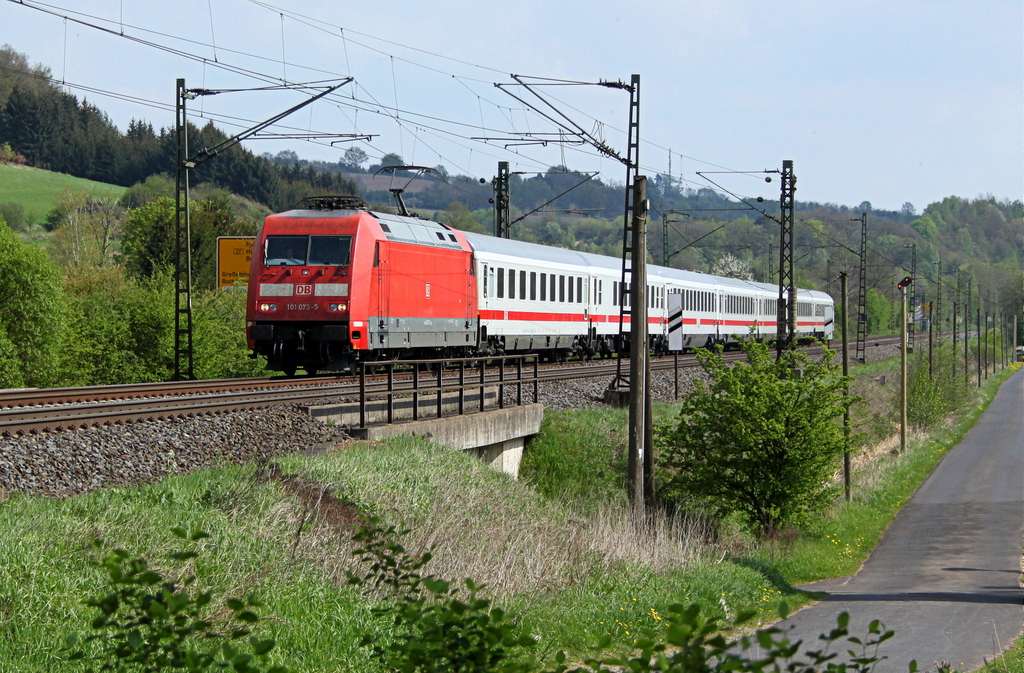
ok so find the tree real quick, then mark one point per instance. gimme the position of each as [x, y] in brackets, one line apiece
[85, 231]
[148, 242]
[458, 216]
[32, 322]
[389, 159]
[880, 311]
[354, 158]
[14, 214]
[121, 329]
[730, 266]
[759, 439]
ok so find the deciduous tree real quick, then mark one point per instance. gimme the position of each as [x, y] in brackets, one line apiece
[758, 439]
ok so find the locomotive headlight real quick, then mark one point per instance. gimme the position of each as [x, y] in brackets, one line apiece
[268, 307]
[337, 307]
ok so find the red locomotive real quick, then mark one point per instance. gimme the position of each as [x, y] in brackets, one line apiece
[332, 284]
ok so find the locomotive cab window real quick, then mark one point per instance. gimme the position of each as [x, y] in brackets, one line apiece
[307, 250]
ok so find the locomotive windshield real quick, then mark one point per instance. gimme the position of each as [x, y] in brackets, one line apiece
[307, 250]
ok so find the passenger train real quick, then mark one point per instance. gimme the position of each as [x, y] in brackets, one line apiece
[333, 283]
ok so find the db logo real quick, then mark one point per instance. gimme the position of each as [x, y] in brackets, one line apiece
[303, 289]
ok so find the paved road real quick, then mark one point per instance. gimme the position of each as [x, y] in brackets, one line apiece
[946, 575]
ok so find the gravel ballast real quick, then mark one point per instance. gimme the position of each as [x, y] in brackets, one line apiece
[68, 463]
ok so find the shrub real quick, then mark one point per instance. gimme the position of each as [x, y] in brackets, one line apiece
[759, 440]
[34, 314]
[932, 397]
[436, 630]
[151, 623]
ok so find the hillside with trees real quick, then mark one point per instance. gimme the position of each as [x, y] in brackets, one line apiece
[42, 125]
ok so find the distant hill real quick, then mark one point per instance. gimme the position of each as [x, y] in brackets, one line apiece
[37, 190]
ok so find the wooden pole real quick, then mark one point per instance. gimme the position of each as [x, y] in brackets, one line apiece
[640, 466]
[846, 389]
[903, 369]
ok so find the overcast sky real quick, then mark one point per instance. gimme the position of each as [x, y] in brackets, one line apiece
[884, 101]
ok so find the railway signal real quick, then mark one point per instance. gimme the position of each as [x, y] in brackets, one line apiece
[903, 285]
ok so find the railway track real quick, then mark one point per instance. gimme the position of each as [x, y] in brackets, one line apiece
[44, 410]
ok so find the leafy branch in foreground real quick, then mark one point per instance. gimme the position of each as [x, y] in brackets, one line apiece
[434, 631]
[437, 628]
[693, 644]
[148, 622]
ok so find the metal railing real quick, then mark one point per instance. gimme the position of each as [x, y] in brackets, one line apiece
[451, 379]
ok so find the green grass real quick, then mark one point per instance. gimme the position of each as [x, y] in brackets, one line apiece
[553, 561]
[44, 573]
[38, 190]
[1012, 661]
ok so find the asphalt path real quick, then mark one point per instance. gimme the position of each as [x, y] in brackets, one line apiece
[946, 575]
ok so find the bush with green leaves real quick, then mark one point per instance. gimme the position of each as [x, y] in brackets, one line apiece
[934, 390]
[436, 628]
[693, 643]
[149, 622]
[34, 314]
[760, 439]
[436, 632]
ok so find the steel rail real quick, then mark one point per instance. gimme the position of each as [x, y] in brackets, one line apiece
[42, 410]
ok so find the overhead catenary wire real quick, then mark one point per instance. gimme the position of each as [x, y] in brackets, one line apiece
[43, 7]
[337, 31]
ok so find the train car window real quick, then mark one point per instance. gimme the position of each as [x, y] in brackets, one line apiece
[285, 250]
[570, 290]
[561, 288]
[329, 250]
[511, 283]
[579, 290]
[501, 283]
[615, 293]
[551, 293]
[453, 239]
[522, 285]
[600, 291]
[533, 286]
[440, 236]
[543, 287]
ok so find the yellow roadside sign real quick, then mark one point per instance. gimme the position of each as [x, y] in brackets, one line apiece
[234, 253]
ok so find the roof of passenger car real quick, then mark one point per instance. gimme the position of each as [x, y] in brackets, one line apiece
[543, 253]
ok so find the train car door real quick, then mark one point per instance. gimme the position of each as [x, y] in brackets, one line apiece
[383, 308]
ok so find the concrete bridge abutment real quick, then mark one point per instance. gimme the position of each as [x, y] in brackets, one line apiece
[496, 436]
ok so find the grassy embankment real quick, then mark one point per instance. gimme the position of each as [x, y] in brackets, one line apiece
[38, 190]
[566, 561]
